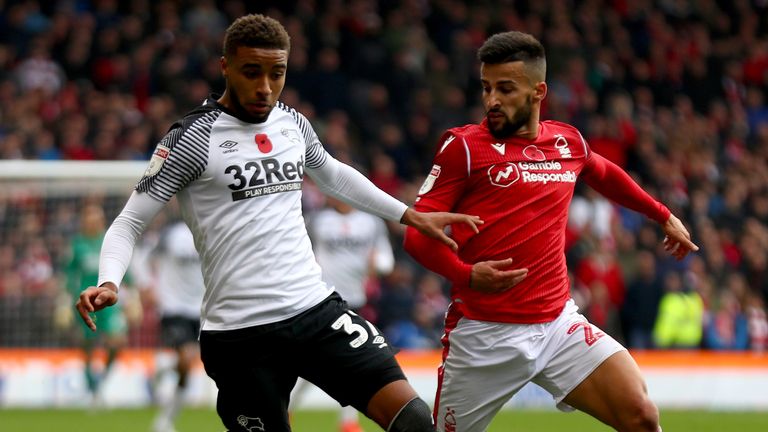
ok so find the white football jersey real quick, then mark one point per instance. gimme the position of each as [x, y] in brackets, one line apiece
[347, 246]
[239, 189]
[179, 281]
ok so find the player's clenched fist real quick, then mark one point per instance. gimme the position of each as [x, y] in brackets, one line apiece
[493, 276]
[93, 299]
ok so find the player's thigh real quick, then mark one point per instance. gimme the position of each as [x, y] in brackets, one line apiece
[254, 379]
[347, 356]
[485, 365]
[575, 349]
[615, 390]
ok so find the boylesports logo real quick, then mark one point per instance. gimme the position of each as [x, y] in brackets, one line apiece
[251, 424]
[503, 174]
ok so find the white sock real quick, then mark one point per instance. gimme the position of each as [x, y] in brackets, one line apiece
[348, 414]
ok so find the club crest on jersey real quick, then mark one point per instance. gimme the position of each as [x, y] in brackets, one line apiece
[158, 159]
[533, 153]
[429, 182]
[263, 142]
[291, 134]
[251, 424]
[561, 144]
[503, 174]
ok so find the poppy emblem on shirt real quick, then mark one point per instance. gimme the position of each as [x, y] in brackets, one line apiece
[503, 174]
[263, 142]
[533, 153]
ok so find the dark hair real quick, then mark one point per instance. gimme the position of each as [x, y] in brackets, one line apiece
[256, 31]
[509, 47]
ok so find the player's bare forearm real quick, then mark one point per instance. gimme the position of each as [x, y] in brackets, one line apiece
[432, 224]
[93, 299]
[677, 241]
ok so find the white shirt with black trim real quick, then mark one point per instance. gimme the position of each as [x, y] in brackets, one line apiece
[350, 247]
[239, 189]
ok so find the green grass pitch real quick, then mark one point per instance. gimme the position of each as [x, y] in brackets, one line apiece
[199, 420]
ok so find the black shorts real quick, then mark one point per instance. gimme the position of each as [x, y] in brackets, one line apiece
[256, 368]
[177, 330]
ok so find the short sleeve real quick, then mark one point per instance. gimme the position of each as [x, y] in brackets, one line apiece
[179, 158]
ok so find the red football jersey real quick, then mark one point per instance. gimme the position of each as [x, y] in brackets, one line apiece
[522, 190]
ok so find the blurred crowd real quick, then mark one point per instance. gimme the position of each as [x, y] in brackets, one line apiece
[673, 91]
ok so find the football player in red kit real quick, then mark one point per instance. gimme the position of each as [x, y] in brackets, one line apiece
[511, 320]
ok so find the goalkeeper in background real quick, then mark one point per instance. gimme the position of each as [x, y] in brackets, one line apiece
[82, 272]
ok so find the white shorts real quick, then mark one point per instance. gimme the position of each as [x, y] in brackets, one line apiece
[486, 363]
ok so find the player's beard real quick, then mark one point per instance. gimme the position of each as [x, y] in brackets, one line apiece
[244, 113]
[510, 126]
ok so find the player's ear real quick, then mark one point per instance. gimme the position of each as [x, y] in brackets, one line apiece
[539, 91]
[223, 63]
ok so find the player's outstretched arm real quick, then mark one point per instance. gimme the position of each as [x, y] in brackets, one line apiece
[116, 252]
[345, 183]
[93, 299]
[432, 224]
[677, 241]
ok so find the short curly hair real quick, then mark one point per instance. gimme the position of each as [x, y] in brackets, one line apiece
[514, 46]
[256, 31]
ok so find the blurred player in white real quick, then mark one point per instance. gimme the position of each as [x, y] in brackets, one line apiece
[178, 293]
[350, 246]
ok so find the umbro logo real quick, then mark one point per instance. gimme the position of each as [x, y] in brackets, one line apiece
[228, 146]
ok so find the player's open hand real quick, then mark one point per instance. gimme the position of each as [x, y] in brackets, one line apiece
[432, 224]
[494, 276]
[93, 299]
[678, 240]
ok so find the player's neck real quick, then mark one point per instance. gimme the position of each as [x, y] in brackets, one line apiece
[530, 131]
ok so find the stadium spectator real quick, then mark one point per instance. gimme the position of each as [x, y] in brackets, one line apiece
[680, 319]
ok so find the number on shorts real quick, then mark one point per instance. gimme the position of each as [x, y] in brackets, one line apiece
[589, 336]
[345, 322]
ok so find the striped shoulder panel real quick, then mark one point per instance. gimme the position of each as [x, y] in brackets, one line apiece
[185, 147]
[315, 154]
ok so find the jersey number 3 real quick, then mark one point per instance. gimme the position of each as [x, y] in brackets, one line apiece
[344, 322]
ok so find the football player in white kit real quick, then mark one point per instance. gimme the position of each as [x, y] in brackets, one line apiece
[350, 247]
[236, 165]
[178, 285]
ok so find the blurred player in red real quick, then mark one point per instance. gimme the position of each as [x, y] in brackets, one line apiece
[511, 320]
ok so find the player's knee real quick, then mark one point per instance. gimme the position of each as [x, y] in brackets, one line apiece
[643, 416]
[415, 416]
